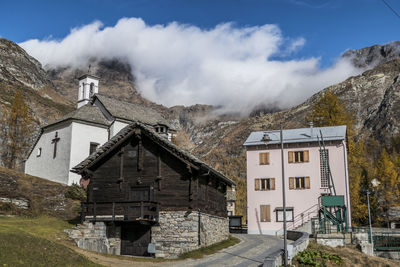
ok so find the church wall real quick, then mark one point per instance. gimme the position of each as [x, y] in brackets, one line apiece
[82, 136]
[116, 127]
[39, 165]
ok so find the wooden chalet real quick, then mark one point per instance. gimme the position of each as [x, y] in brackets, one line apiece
[141, 186]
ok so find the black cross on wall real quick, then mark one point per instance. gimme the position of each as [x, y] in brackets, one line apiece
[55, 141]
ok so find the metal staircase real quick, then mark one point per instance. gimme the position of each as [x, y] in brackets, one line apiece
[332, 212]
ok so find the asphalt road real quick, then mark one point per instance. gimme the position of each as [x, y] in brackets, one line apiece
[251, 251]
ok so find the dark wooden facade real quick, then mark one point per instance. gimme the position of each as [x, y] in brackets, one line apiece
[140, 176]
[137, 174]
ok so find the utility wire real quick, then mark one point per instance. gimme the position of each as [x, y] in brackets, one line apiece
[394, 11]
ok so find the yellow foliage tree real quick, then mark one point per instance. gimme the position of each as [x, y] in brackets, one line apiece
[388, 189]
[329, 111]
[16, 126]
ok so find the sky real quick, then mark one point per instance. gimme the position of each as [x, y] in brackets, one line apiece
[234, 53]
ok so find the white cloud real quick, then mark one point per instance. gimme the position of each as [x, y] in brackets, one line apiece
[178, 64]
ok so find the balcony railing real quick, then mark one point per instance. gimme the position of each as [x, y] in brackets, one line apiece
[120, 211]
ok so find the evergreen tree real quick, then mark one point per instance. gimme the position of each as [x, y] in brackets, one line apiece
[388, 189]
[16, 125]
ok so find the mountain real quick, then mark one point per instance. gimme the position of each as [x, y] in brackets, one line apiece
[372, 97]
[18, 70]
[372, 56]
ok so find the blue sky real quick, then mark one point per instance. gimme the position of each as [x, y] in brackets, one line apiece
[231, 53]
[329, 27]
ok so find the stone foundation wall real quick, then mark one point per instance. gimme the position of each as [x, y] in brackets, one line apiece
[95, 237]
[178, 232]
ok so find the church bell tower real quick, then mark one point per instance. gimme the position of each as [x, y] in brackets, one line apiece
[88, 86]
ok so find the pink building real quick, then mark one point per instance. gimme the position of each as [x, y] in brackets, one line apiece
[305, 176]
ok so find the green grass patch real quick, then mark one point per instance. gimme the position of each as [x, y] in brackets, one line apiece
[22, 249]
[201, 252]
[27, 241]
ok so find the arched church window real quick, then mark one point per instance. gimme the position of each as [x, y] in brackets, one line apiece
[91, 89]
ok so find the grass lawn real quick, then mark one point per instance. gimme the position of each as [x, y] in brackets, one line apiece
[36, 242]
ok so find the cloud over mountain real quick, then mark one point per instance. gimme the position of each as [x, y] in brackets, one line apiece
[175, 64]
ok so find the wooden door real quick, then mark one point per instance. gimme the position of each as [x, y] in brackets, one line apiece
[135, 239]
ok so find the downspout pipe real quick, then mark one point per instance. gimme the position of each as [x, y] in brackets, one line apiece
[346, 177]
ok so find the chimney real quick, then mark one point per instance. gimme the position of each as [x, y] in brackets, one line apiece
[311, 128]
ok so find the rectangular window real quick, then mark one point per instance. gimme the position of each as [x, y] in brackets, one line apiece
[93, 147]
[324, 167]
[264, 184]
[265, 213]
[39, 152]
[279, 214]
[298, 183]
[264, 158]
[298, 156]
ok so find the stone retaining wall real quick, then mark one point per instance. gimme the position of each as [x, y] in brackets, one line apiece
[94, 237]
[178, 232]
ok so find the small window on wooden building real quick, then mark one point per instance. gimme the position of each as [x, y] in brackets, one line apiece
[298, 156]
[264, 184]
[264, 158]
[279, 214]
[93, 147]
[39, 152]
[299, 182]
[265, 213]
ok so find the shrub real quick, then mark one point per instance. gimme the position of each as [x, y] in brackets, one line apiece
[76, 192]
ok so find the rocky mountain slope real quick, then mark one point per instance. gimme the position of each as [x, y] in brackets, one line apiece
[18, 70]
[372, 97]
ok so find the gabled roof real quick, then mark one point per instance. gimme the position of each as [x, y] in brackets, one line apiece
[129, 131]
[130, 111]
[87, 113]
[298, 135]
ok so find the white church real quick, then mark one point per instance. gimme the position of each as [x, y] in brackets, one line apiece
[66, 142]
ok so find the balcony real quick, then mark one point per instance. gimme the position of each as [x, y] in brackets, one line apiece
[128, 211]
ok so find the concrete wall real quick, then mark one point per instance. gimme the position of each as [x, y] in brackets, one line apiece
[45, 166]
[178, 232]
[300, 200]
[82, 136]
[275, 257]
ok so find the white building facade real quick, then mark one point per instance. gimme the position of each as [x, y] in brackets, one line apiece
[63, 144]
[305, 176]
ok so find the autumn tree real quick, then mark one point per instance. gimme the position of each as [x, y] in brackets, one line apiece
[16, 125]
[329, 111]
[388, 188]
